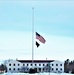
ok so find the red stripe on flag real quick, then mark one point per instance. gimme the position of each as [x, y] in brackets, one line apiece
[40, 38]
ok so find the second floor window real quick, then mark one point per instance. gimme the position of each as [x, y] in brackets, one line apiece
[56, 64]
[52, 65]
[43, 64]
[47, 64]
[35, 64]
[27, 64]
[18, 64]
[23, 64]
[39, 64]
[31, 64]
[60, 64]
[9, 64]
[13, 64]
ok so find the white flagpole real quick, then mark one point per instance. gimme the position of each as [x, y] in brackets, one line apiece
[32, 36]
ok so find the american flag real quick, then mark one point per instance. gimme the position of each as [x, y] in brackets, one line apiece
[40, 38]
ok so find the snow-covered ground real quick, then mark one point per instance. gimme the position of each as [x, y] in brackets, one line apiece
[37, 74]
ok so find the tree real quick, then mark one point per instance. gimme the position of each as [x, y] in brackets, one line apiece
[3, 67]
[66, 65]
[71, 63]
[67, 62]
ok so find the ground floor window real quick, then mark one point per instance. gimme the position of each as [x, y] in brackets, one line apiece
[9, 68]
[40, 69]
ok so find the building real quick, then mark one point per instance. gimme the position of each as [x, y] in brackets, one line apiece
[40, 65]
[57, 66]
[13, 65]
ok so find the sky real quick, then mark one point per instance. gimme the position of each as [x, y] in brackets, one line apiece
[54, 20]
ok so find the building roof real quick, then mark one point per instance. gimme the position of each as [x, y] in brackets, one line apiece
[37, 61]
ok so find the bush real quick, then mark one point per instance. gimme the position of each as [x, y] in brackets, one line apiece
[66, 71]
[33, 70]
[72, 71]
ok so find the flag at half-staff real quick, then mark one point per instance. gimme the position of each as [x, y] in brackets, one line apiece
[40, 38]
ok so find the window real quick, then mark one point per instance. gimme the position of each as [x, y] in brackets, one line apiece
[43, 69]
[60, 64]
[9, 64]
[52, 69]
[35, 64]
[13, 68]
[43, 64]
[39, 64]
[56, 64]
[18, 69]
[13, 64]
[18, 64]
[47, 64]
[52, 64]
[39, 69]
[31, 64]
[61, 69]
[27, 64]
[56, 68]
[23, 64]
[27, 69]
[9, 68]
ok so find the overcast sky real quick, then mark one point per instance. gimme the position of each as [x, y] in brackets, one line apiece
[54, 20]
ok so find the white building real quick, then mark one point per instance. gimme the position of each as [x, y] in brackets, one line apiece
[13, 65]
[57, 66]
[40, 65]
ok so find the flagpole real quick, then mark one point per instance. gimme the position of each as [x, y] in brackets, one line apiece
[32, 36]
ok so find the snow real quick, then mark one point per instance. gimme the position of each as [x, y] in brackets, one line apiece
[37, 74]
